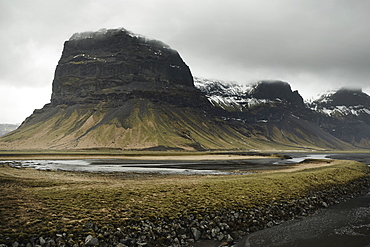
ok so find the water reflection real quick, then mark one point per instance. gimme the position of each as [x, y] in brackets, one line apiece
[297, 159]
[112, 166]
[240, 166]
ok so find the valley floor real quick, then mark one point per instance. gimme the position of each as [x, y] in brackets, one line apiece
[73, 208]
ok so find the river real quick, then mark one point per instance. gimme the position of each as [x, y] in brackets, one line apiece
[186, 167]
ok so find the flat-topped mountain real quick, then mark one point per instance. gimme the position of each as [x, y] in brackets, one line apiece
[276, 90]
[116, 64]
[113, 89]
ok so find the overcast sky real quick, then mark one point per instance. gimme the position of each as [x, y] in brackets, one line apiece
[315, 45]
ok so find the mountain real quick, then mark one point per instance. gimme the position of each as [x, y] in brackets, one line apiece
[113, 89]
[117, 90]
[344, 114]
[232, 96]
[110, 65]
[6, 128]
[271, 111]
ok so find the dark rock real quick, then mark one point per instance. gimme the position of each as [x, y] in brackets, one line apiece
[229, 239]
[111, 64]
[276, 90]
[42, 240]
[196, 233]
[345, 97]
[121, 245]
[91, 241]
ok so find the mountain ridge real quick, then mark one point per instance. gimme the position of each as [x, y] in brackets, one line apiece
[344, 113]
[113, 89]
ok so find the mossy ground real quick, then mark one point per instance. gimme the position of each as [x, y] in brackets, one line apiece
[50, 202]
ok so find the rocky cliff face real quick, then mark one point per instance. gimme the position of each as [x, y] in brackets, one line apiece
[110, 65]
[276, 91]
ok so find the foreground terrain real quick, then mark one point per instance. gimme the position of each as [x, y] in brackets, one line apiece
[53, 207]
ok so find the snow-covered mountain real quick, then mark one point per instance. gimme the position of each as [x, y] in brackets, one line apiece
[224, 94]
[344, 102]
[344, 113]
[232, 96]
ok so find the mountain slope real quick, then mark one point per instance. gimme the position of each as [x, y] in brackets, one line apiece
[113, 89]
[271, 110]
[137, 124]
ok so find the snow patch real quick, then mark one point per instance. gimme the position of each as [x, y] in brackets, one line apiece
[342, 110]
[228, 94]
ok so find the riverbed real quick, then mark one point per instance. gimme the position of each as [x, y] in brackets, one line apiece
[165, 166]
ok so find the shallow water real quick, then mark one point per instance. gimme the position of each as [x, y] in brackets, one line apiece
[104, 166]
[296, 158]
[221, 167]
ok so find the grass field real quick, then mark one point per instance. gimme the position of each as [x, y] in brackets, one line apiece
[35, 202]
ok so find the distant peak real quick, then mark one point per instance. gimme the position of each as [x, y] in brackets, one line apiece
[276, 89]
[344, 97]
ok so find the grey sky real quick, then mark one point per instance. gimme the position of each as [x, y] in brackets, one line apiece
[315, 45]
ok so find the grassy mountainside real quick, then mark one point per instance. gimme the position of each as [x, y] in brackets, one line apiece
[135, 125]
[141, 124]
[295, 132]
